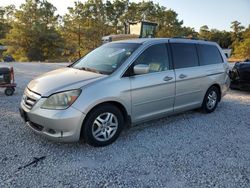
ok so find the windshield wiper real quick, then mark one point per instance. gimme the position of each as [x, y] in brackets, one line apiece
[90, 70]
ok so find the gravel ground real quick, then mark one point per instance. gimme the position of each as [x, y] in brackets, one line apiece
[186, 150]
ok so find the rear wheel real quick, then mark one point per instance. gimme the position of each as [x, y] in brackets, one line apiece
[9, 91]
[103, 125]
[211, 100]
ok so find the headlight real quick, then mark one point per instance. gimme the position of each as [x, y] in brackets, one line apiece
[60, 101]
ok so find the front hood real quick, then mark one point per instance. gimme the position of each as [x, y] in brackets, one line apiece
[61, 80]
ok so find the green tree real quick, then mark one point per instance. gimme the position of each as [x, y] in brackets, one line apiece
[242, 49]
[236, 35]
[6, 17]
[34, 33]
[130, 13]
[237, 31]
[34, 36]
[115, 12]
[169, 25]
[188, 32]
[223, 38]
[83, 27]
[86, 22]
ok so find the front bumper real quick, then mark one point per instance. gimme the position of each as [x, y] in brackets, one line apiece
[239, 84]
[58, 125]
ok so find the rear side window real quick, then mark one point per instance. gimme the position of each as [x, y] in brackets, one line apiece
[209, 54]
[184, 55]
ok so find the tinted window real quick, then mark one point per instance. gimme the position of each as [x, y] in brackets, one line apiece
[156, 57]
[209, 54]
[184, 55]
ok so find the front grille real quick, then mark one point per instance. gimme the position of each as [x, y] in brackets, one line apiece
[30, 98]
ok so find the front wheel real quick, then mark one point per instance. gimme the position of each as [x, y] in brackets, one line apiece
[103, 125]
[211, 100]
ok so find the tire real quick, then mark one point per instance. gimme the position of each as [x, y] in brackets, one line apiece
[103, 125]
[210, 100]
[9, 91]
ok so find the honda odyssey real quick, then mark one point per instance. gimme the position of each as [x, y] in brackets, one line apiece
[122, 84]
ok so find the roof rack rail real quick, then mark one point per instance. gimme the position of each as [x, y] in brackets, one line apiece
[186, 37]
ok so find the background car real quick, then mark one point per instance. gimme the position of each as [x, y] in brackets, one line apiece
[240, 76]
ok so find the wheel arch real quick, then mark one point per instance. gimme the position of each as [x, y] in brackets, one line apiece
[120, 106]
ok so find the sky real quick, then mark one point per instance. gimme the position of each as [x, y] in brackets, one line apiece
[216, 14]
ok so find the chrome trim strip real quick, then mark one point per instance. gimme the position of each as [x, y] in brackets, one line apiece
[146, 102]
[187, 93]
[215, 73]
[32, 95]
[30, 98]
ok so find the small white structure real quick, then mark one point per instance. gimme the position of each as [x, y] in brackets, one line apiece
[139, 29]
[227, 52]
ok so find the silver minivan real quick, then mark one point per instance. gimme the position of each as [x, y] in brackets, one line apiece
[125, 83]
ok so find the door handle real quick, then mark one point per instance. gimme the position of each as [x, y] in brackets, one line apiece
[182, 76]
[167, 78]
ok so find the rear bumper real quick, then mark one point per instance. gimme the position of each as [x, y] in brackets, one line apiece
[57, 125]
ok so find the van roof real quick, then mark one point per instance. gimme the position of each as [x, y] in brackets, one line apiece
[152, 40]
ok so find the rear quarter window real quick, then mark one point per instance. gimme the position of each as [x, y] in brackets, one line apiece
[209, 54]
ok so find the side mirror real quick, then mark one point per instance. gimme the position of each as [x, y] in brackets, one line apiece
[141, 69]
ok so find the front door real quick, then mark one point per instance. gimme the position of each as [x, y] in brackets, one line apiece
[153, 93]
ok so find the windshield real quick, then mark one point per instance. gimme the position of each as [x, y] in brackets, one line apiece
[107, 58]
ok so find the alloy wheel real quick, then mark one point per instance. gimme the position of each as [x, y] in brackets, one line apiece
[105, 126]
[211, 100]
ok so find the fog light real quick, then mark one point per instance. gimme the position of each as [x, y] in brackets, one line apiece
[51, 131]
